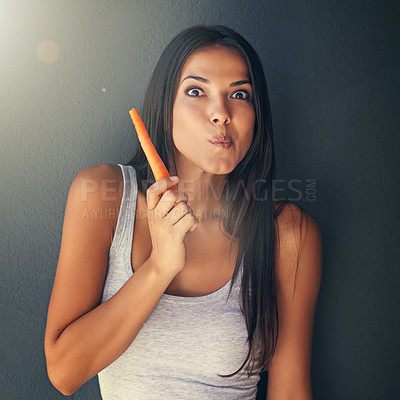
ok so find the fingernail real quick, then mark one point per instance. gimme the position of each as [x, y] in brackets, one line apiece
[173, 178]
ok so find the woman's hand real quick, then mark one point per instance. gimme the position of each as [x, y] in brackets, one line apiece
[170, 219]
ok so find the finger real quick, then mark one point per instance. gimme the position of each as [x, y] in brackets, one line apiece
[176, 213]
[169, 200]
[156, 190]
[189, 222]
[179, 212]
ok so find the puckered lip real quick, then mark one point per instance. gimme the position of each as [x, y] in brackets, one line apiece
[221, 139]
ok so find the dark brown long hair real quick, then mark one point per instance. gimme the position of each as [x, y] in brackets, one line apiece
[250, 214]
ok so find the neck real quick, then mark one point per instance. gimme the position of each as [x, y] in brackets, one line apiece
[204, 191]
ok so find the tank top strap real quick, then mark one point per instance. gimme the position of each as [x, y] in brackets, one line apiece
[121, 245]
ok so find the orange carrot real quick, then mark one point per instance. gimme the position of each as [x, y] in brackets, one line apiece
[156, 164]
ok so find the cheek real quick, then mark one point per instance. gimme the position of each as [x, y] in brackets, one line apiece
[179, 119]
[182, 135]
[247, 122]
[186, 123]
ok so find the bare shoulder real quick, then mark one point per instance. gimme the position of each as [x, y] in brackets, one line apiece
[294, 225]
[290, 215]
[98, 189]
[98, 181]
[106, 183]
[102, 173]
[298, 241]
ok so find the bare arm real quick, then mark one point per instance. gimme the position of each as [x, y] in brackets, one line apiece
[96, 339]
[83, 336]
[289, 374]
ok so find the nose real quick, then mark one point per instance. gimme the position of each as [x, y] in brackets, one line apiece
[219, 113]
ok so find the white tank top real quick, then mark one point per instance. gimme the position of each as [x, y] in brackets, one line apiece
[184, 343]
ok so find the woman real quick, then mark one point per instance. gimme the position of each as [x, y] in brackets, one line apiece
[180, 291]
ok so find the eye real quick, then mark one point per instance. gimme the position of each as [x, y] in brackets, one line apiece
[194, 92]
[241, 95]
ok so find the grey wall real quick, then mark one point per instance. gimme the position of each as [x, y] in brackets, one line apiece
[333, 74]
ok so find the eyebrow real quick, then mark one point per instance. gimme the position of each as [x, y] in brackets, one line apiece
[203, 80]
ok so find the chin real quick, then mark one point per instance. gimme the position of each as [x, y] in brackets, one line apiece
[219, 170]
[211, 165]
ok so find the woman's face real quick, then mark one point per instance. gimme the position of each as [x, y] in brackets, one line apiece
[214, 99]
